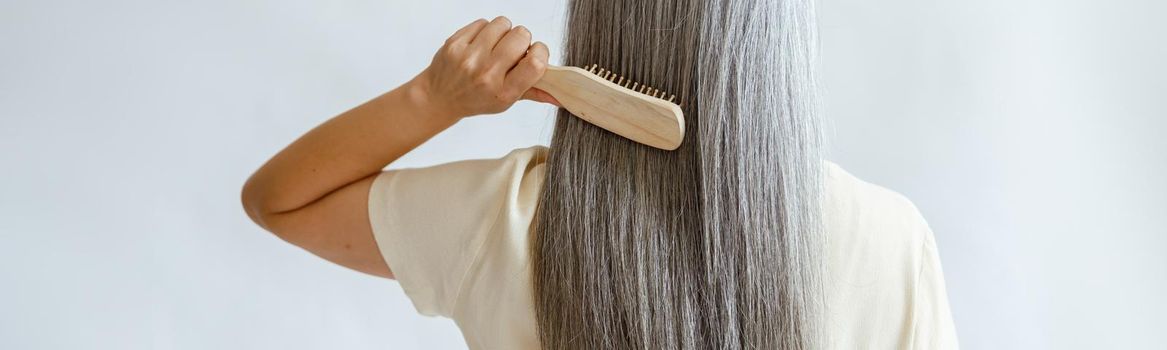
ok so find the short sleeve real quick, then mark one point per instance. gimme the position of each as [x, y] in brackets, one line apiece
[431, 223]
[934, 328]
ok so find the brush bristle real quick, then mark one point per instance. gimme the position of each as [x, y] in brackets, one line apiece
[630, 84]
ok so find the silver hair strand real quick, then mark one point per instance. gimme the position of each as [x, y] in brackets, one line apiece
[716, 245]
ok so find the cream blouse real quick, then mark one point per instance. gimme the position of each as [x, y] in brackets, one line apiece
[455, 236]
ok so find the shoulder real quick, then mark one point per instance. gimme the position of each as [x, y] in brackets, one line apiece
[520, 159]
[882, 267]
[497, 285]
[860, 210]
[438, 226]
[478, 184]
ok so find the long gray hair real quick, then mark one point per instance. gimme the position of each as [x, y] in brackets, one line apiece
[715, 245]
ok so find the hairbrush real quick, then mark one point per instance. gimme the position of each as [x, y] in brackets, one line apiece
[627, 108]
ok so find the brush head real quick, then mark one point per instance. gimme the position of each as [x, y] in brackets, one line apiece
[631, 84]
[610, 101]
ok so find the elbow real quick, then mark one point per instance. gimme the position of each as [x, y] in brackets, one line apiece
[253, 200]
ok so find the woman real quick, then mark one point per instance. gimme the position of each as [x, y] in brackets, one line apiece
[744, 237]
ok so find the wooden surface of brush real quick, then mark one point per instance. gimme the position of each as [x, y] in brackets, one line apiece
[622, 106]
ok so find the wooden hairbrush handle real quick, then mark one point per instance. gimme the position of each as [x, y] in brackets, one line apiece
[642, 116]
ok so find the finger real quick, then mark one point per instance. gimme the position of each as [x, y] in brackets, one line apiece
[488, 37]
[467, 33]
[537, 95]
[530, 69]
[511, 48]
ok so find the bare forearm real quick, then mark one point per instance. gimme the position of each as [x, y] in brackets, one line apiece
[349, 147]
[314, 193]
[484, 68]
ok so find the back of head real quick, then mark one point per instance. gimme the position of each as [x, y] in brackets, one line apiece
[712, 246]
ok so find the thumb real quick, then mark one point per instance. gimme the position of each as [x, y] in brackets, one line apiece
[537, 95]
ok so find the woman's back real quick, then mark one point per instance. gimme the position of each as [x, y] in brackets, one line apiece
[599, 242]
[460, 249]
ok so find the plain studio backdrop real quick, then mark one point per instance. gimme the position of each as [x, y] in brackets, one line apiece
[1030, 134]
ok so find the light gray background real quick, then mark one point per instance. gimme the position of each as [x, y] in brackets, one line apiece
[1030, 134]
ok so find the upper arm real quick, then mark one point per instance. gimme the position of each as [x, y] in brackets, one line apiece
[335, 227]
